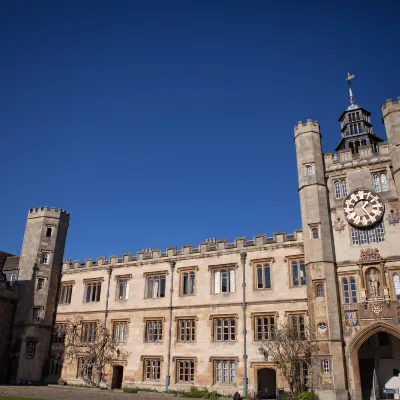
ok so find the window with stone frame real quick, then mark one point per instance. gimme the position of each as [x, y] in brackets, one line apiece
[185, 370]
[152, 369]
[224, 329]
[187, 278]
[349, 290]
[264, 327]
[297, 272]
[40, 284]
[58, 335]
[154, 330]
[49, 231]
[319, 290]
[36, 314]
[380, 182]
[45, 257]
[65, 293]
[122, 288]
[89, 331]
[325, 366]
[338, 191]
[82, 366]
[30, 350]
[155, 285]
[92, 292]
[396, 285]
[186, 330]
[262, 273]
[224, 279]
[376, 234]
[224, 371]
[56, 367]
[298, 322]
[120, 332]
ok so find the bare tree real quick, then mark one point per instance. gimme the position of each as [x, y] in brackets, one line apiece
[293, 352]
[88, 344]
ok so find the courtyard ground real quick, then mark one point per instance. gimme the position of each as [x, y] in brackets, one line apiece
[72, 393]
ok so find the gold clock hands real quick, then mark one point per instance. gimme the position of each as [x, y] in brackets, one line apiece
[363, 207]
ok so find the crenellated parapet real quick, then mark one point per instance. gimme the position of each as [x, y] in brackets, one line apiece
[390, 106]
[346, 159]
[308, 126]
[49, 212]
[208, 247]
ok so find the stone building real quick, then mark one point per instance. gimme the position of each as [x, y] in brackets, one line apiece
[194, 316]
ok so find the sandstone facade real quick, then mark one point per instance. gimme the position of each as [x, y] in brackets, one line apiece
[200, 310]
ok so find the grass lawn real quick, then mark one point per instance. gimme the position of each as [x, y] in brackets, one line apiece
[16, 398]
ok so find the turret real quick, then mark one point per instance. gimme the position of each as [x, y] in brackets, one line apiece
[391, 119]
[318, 251]
[39, 274]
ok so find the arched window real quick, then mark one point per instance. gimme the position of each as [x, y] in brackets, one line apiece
[359, 129]
[13, 278]
[49, 231]
[377, 183]
[309, 171]
[314, 232]
[357, 145]
[351, 146]
[384, 184]
[320, 290]
[357, 116]
[338, 194]
[353, 290]
[352, 129]
[345, 284]
[344, 188]
[363, 142]
[396, 284]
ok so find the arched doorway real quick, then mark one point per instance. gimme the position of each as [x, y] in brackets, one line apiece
[266, 383]
[375, 361]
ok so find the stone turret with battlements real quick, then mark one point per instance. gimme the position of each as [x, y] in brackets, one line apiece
[319, 254]
[39, 275]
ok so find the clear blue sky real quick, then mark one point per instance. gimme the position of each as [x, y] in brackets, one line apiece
[162, 123]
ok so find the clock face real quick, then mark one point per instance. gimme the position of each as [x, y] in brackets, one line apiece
[363, 208]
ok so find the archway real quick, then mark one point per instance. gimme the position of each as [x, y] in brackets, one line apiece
[266, 383]
[375, 360]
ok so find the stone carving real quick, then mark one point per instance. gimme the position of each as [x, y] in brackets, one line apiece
[322, 326]
[351, 318]
[393, 217]
[339, 225]
[373, 283]
[377, 310]
[370, 254]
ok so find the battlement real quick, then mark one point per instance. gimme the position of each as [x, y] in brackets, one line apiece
[390, 106]
[48, 212]
[279, 238]
[308, 126]
[345, 158]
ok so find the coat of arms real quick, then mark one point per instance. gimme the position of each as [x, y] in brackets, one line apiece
[339, 225]
[351, 318]
[377, 310]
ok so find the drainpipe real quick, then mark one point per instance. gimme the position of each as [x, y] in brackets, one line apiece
[100, 372]
[243, 257]
[167, 378]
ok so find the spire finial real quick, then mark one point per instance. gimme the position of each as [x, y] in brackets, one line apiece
[349, 77]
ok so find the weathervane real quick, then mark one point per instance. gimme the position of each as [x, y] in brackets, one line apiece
[349, 77]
